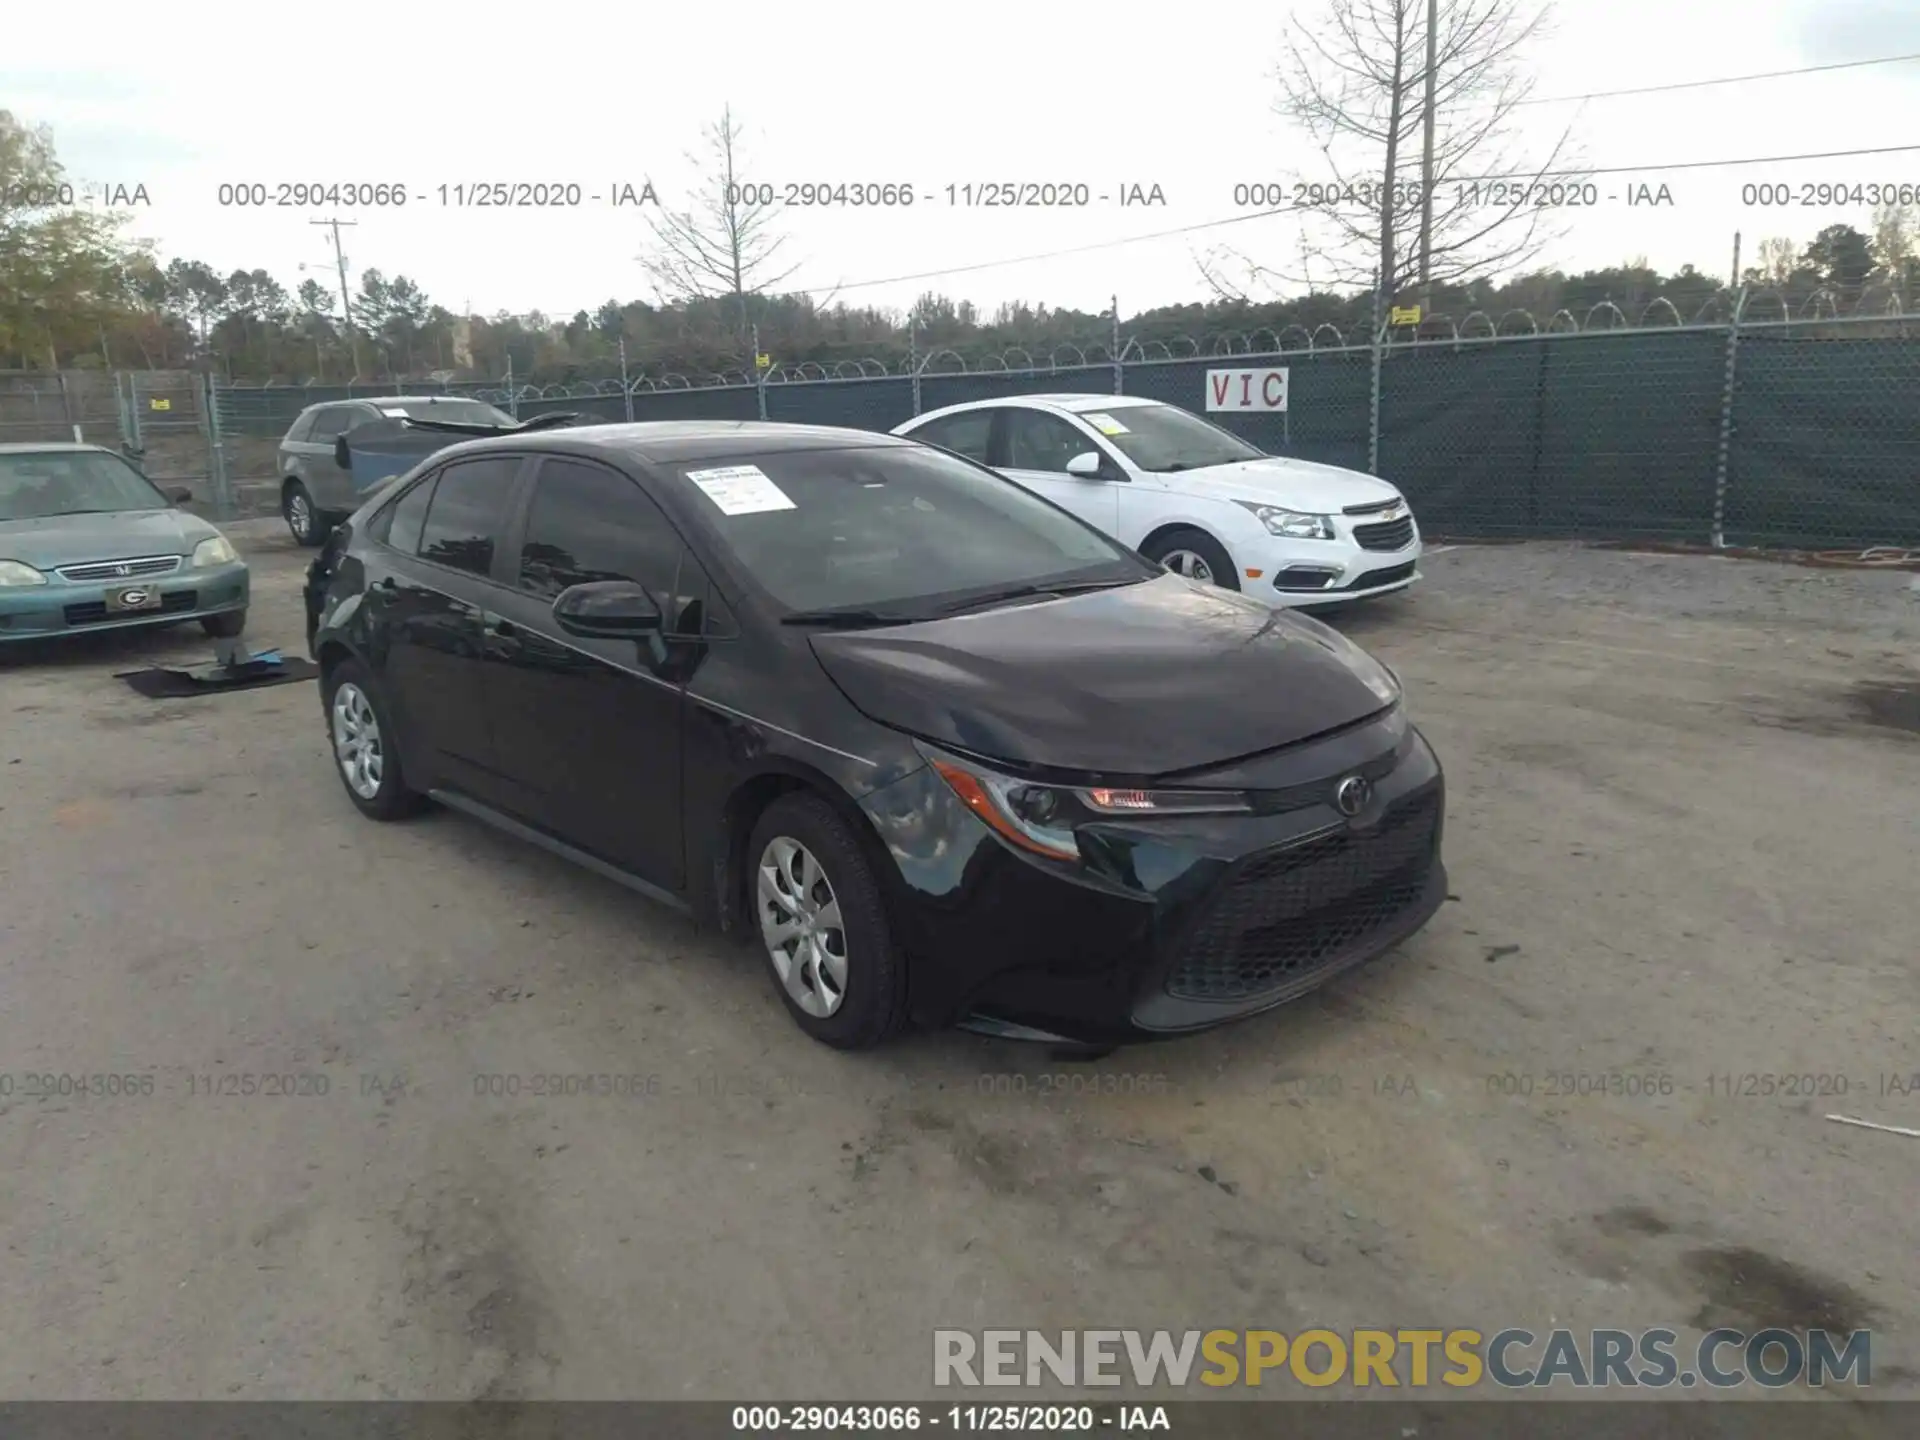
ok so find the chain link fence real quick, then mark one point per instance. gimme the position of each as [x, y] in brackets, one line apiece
[1799, 432]
[64, 405]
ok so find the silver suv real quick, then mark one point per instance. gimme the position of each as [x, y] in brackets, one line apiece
[316, 494]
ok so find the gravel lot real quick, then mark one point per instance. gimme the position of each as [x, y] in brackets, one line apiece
[1682, 838]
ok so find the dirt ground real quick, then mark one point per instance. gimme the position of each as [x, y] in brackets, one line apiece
[1682, 838]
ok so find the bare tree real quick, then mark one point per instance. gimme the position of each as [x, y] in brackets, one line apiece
[1411, 108]
[1779, 258]
[1896, 246]
[723, 247]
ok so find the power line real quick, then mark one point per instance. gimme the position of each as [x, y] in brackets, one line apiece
[1721, 80]
[1292, 210]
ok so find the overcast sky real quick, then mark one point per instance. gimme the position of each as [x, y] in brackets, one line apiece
[190, 95]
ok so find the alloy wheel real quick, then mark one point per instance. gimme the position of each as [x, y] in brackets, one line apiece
[299, 515]
[800, 922]
[1189, 564]
[356, 741]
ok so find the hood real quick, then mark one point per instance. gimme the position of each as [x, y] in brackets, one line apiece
[1145, 680]
[1302, 485]
[117, 535]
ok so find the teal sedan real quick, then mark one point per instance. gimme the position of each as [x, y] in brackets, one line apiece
[88, 543]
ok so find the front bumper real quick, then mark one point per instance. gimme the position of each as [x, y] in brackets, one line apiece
[1168, 927]
[1326, 572]
[63, 607]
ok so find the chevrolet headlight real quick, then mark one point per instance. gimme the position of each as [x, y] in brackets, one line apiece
[17, 572]
[1292, 524]
[1042, 819]
[214, 550]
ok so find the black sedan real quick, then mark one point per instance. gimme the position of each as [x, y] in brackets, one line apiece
[948, 754]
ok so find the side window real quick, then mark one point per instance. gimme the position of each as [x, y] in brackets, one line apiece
[301, 429]
[587, 523]
[328, 422]
[400, 523]
[964, 434]
[1039, 441]
[471, 504]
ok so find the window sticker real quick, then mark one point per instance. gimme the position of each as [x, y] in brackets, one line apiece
[741, 490]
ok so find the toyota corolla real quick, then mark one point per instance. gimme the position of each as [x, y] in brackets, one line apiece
[923, 736]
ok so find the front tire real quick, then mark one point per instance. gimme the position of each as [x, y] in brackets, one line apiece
[1196, 555]
[225, 626]
[823, 925]
[304, 520]
[361, 736]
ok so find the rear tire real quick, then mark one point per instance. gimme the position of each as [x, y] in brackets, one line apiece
[823, 925]
[361, 736]
[225, 626]
[1197, 555]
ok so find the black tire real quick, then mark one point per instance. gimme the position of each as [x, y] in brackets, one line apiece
[308, 524]
[1196, 542]
[225, 626]
[872, 1004]
[391, 798]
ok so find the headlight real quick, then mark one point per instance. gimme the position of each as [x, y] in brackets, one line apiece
[1043, 818]
[214, 550]
[16, 572]
[1292, 524]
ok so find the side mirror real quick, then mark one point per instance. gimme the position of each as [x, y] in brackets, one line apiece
[180, 495]
[342, 456]
[607, 610]
[1085, 465]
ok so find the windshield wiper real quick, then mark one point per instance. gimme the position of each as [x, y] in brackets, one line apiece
[85, 510]
[1022, 592]
[850, 619]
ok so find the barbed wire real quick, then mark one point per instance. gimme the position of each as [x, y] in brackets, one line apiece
[1763, 305]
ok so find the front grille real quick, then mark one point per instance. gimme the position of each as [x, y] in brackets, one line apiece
[1282, 915]
[1392, 535]
[1374, 579]
[141, 568]
[95, 612]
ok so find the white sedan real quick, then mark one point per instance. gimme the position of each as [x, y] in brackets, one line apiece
[1191, 496]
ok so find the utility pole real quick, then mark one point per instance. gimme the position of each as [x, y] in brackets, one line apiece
[346, 300]
[1426, 159]
[1733, 280]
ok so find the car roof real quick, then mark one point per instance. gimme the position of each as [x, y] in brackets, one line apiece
[378, 400]
[1081, 403]
[53, 447]
[1076, 404]
[674, 441]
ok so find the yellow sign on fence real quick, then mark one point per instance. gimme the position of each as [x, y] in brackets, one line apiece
[156, 403]
[1405, 315]
[763, 361]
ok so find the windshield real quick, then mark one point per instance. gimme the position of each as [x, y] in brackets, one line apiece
[36, 485]
[462, 412]
[896, 528]
[1162, 438]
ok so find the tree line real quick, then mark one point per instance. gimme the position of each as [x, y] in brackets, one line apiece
[76, 292]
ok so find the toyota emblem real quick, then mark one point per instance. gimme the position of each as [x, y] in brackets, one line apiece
[1352, 794]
